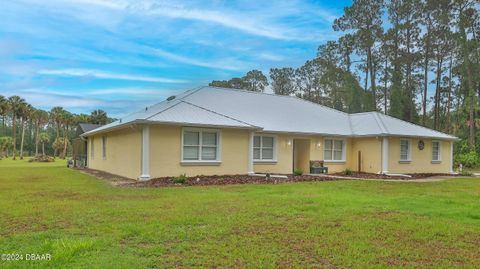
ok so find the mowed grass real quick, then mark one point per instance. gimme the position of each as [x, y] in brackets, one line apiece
[86, 223]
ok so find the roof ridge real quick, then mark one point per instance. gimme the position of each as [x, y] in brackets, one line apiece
[161, 111]
[211, 111]
[280, 96]
[380, 122]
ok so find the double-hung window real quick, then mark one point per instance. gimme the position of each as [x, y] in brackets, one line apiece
[201, 145]
[435, 151]
[264, 148]
[334, 150]
[104, 147]
[404, 150]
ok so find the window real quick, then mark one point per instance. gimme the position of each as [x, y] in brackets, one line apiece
[404, 150]
[264, 148]
[92, 148]
[104, 147]
[334, 150]
[435, 151]
[200, 145]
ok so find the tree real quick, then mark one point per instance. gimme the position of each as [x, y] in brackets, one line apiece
[59, 144]
[43, 138]
[255, 81]
[68, 120]
[283, 80]
[4, 108]
[99, 117]
[364, 18]
[15, 103]
[26, 110]
[6, 143]
[56, 114]
[40, 118]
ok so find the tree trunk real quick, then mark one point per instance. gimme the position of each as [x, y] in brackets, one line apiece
[372, 78]
[37, 128]
[23, 138]
[425, 85]
[55, 151]
[14, 135]
[449, 101]
[385, 86]
[43, 148]
[65, 142]
[437, 92]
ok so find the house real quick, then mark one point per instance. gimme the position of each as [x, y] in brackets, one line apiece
[79, 149]
[217, 131]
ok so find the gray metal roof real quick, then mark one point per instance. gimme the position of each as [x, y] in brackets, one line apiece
[211, 106]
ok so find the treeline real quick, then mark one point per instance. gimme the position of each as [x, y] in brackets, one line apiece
[391, 56]
[26, 130]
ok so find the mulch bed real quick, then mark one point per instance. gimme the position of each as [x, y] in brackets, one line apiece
[227, 180]
[380, 176]
[241, 179]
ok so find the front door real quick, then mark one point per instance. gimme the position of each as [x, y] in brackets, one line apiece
[301, 155]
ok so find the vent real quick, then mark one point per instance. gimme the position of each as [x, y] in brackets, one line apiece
[171, 98]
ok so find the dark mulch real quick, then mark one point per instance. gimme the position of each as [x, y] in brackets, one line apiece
[227, 180]
[380, 176]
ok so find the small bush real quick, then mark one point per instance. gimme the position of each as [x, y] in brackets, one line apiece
[348, 172]
[181, 179]
[469, 159]
[466, 173]
[298, 172]
[42, 159]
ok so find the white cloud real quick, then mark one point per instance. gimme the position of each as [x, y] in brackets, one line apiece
[105, 75]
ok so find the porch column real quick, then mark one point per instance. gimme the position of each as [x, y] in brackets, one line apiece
[451, 157]
[250, 153]
[145, 153]
[385, 155]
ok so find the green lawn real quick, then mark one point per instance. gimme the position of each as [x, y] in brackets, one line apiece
[85, 222]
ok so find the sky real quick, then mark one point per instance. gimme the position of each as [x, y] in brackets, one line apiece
[122, 55]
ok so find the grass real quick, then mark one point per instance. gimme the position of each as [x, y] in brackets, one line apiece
[86, 223]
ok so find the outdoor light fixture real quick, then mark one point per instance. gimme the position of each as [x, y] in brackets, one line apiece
[289, 142]
[319, 144]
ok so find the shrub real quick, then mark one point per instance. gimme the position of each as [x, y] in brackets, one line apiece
[298, 172]
[348, 172]
[469, 159]
[42, 159]
[181, 179]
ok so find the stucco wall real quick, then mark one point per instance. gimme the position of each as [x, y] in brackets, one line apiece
[166, 148]
[123, 153]
[371, 154]
[284, 162]
[421, 160]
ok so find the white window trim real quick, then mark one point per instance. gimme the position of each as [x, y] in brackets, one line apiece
[92, 148]
[199, 161]
[439, 151]
[344, 150]
[409, 159]
[275, 139]
[104, 147]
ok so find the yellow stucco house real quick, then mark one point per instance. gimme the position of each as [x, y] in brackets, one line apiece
[217, 131]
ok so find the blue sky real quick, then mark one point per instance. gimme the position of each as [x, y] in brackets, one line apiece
[126, 54]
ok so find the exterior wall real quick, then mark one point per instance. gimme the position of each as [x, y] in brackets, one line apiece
[123, 153]
[166, 149]
[371, 154]
[421, 160]
[284, 162]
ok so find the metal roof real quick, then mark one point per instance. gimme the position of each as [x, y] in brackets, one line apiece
[212, 106]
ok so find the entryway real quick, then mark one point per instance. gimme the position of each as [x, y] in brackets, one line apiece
[301, 155]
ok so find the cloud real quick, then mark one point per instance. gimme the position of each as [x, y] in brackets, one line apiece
[105, 75]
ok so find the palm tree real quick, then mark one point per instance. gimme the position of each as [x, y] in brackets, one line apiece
[3, 111]
[68, 120]
[98, 117]
[15, 104]
[43, 138]
[40, 117]
[26, 110]
[56, 116]
[5, 144]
